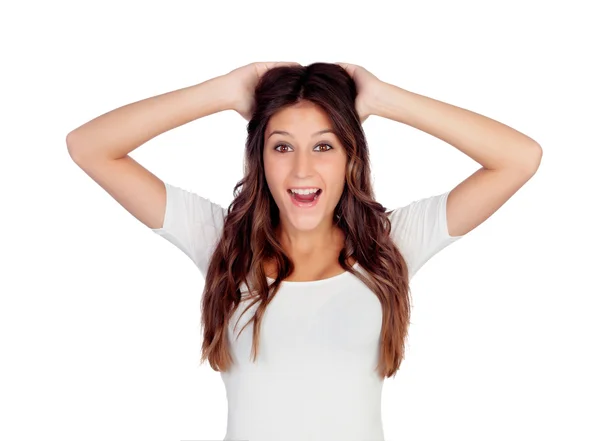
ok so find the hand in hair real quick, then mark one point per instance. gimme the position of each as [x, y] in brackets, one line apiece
[368, 87]
[243, 80]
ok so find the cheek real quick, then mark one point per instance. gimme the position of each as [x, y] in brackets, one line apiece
[275, 175]
[335, 173]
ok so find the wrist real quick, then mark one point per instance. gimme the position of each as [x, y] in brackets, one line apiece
[224, 94]
[377, 103]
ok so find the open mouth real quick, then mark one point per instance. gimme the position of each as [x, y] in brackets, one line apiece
[305, 200]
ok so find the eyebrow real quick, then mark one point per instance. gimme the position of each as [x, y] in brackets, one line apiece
[283, 132]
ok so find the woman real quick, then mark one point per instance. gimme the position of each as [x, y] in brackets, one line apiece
[304, 258]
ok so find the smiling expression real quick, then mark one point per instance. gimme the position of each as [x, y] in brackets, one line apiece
[301, 151]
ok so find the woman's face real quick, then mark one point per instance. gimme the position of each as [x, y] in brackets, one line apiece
[305, 156]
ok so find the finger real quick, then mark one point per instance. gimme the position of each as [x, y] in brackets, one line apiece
[285, 63]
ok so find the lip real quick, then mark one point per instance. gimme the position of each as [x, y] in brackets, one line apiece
[305, 204]
[304, 188]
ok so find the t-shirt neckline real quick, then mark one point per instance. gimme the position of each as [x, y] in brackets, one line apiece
[315, 282]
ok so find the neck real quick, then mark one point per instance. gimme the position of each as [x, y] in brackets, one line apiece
[305, 244]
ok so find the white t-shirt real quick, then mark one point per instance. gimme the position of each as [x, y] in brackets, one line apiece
[314, 377]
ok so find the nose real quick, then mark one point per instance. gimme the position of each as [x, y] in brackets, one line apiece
[303, 164]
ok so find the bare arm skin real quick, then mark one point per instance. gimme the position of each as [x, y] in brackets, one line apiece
[101, 146]
[508, 158]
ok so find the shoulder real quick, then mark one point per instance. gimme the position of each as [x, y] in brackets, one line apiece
[420, 229]
[192, 223]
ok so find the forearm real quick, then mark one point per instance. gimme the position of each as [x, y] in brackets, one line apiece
[118, 132]
[488, 142]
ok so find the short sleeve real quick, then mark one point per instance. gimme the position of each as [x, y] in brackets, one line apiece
[193, 224]
[420, 230]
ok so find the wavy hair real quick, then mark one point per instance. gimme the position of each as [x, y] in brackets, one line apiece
[248, 239]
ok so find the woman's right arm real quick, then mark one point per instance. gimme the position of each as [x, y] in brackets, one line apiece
[101, 146]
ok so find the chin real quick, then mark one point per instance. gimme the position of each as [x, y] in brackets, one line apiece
[306, 224]
[303, 221]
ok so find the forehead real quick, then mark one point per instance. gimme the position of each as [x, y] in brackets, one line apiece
[299, 118]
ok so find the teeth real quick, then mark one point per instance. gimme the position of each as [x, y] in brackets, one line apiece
[304, 191]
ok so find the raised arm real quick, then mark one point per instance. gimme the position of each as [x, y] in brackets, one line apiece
[508, 157]
[101, 146]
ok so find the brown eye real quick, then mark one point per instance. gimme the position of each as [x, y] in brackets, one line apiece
[281, 145]
[330, 148]
[277, 147]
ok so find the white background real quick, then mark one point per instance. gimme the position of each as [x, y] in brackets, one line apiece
[99, 317]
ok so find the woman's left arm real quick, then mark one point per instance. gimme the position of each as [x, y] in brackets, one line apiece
[508, 157]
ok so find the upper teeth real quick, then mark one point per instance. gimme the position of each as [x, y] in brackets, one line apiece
[304, 190]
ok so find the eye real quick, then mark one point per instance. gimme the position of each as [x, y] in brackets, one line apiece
[330, 148]
[281, 145]
[287, 147]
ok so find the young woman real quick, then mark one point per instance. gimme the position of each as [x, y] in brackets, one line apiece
[306, 303]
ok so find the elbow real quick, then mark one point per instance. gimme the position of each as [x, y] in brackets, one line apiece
[73, 146]
[70, 139]
[531, 159]
[535, 157]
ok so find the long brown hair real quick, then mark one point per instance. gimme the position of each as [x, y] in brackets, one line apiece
[248, 238]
